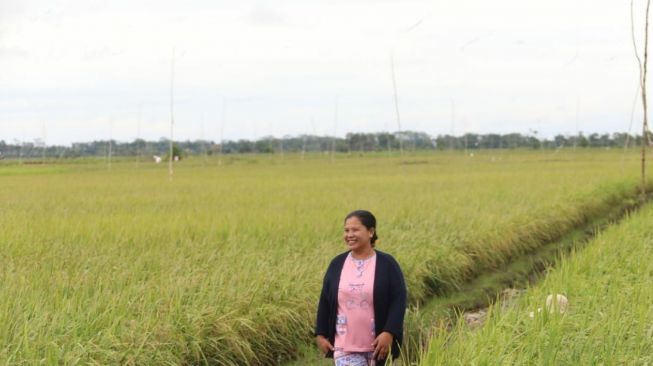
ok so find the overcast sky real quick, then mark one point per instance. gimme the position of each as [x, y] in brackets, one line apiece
[81, 70]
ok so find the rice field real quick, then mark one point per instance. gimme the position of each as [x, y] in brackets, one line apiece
[223, 264]
[609, 318]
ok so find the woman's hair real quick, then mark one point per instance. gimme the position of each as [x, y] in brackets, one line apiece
[367, 219]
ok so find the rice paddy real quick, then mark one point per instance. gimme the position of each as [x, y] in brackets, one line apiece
[609, 318]
[223, 264]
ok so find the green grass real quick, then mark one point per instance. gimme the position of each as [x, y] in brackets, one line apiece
[223, 264]
[609, 285]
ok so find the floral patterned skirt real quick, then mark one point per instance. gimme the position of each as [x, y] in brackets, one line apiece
[355, 359]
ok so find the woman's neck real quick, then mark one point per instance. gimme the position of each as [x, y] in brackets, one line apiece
[363, 254]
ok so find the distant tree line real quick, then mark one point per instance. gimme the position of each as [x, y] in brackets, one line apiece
[352, 142]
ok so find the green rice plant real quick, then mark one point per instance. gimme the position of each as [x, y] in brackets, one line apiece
[223, 264]
[609, 319]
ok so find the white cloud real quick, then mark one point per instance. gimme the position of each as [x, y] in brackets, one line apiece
[508, 65]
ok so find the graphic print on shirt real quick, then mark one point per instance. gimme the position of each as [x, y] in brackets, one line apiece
[357, 298]
[341, 325]
[355, 330]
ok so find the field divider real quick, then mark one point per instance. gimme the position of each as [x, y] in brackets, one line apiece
[484, 286]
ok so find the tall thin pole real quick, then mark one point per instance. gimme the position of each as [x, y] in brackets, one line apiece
[388, 142]
[172, 115]
[465, 138]
[224, 107]
[203, 141]
[453, 124]
[642, 83]
[632, 117]
[44, 145]
[335, 127]
[394, 87]
[138, 134]
[644, 103]
[110, 143]
[304, 142]
[577, 132]
[315, 132]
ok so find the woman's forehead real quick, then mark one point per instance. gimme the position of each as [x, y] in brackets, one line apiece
[353, 221]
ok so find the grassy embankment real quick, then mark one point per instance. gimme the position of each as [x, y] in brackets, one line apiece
[224, 263]
[609, 284]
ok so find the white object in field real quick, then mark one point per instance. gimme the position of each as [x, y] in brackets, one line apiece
[157, 159]
[560, 303]
[176, 158]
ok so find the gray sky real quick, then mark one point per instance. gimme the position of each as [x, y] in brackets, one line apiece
[80, 70]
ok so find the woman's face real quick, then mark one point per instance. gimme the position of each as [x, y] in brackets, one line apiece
[356, 235]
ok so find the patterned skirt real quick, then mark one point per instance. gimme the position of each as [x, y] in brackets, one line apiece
[355, 359]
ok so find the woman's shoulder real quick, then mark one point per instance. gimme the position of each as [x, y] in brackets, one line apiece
[385, 257]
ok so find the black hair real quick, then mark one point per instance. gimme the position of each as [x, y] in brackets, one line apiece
[367, 219]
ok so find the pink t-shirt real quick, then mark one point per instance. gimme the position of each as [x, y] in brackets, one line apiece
[355, 319]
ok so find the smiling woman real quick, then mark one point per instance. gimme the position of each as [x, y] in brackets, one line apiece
[361, 308]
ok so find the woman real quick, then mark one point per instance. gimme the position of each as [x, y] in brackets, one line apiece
[360, 314]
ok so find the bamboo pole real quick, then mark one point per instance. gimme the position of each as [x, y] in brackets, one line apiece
[335, 127]
[643, 66]
[224, 106]
[138, 134]
[44, 144]
[394, 88]
[172, 118]
[644, 102]
[110, 143]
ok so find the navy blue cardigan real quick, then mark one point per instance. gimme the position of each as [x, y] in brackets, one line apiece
[389, 299]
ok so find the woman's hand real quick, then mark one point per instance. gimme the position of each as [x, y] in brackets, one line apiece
[323, 344]
[382, 345]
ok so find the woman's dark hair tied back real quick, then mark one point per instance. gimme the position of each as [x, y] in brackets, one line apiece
[367, 219]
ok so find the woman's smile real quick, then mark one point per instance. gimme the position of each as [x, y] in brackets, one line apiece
[357, 236]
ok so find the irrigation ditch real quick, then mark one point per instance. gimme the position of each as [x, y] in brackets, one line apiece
[469, 300]
[509, 281]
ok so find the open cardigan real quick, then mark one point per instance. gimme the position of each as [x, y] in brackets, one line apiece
[389, 300]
